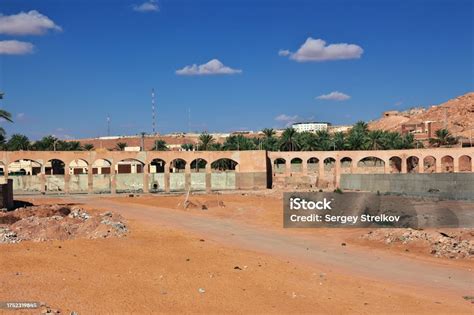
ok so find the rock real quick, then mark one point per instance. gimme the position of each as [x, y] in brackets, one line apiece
[237, 268]
[201, 290]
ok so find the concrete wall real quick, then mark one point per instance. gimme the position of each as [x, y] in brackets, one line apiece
[101, 183]
[129, 183]
[223, 180]
[79, 183]
[26, 184]
[443, 185]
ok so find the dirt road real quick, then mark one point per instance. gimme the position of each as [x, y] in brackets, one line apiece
[346, 259]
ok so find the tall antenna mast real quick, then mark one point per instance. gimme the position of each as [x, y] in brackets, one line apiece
[153, 122]
[108, 125]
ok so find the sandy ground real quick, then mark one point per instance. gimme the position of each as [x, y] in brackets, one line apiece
[171, 253]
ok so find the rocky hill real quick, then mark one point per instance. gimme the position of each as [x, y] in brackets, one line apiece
[457, 112]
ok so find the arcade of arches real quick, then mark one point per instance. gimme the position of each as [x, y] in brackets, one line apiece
[153, 171]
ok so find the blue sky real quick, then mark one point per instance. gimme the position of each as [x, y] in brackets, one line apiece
[99, 58]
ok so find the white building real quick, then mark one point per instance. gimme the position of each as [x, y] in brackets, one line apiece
[310, 126]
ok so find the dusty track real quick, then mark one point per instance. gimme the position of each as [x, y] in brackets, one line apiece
[382, 266]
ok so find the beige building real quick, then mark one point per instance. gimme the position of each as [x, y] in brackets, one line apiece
[310, 126]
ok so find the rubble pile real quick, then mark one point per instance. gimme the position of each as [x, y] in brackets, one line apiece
[454, 244]
[58, 222]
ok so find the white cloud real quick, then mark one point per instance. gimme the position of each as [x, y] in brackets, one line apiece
[212, 67]
[283, 52]
[148, 6]
[14, 47]
[334, 96]
[317, 50]
[26, 23]
[286, 119]
[20, 116]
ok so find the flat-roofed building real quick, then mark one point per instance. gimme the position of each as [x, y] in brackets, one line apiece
[311, 126]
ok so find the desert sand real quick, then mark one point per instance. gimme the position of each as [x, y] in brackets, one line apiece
[232, 258]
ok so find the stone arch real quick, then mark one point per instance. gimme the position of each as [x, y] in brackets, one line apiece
[78, 166]
[31, 167]
[129, 166]
[346, 165]
[413, 164]
[296, 165]
[101, 166]
[429, 164]
[329, 165]
[465, 163]
[395, 163]
[279, 165]
[224, 164]
[371, 165]
[198, 165]
[157, 165]
[447, 164]
[2, 168]
[312, 164]
[177, 165]
[55, 167]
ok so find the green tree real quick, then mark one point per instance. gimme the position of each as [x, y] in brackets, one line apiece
[323, 140]
[443, 137]
[339, 141]
[238, 143]
[46, 143]
[187, 146]
[205, 141]
[6, 116]
[88, 147]
[288, 140]
[375, 140]
[357, 138]
[68, 146]
[160, 145]
[18, 142]
[307, 141]
[269, 141]
[120, 146]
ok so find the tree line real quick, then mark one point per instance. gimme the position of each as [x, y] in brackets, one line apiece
[358, 138]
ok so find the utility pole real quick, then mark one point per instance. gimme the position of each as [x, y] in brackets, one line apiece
[153, 118]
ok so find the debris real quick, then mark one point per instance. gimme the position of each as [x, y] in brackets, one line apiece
[58, 222]
[458, 245]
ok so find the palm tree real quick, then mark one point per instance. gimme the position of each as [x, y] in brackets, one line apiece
[187, 146]
[88, 147]
[238, 143]
[375, 140]
[323, 140]
[268, 132]
[120, 146]
[47, 143]
[18, 142]
[205, 141]
[269, 141]
[443, 137]
[4, 115]
[307, 141]
[160, 145]
[339, 141]
[288, 140]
